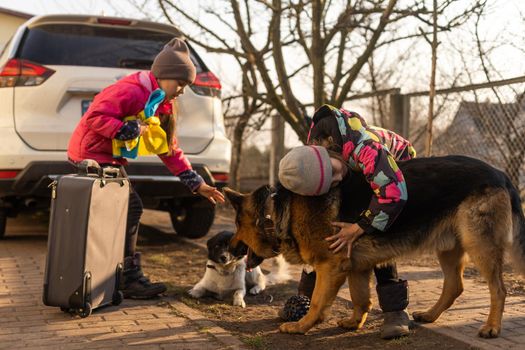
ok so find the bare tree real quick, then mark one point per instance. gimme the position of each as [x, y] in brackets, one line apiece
[433, 44]
[329, 41]
[277, 44]
[325, 32]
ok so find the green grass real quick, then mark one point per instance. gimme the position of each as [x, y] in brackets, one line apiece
[176, 290]
[257, 342]
[191, 302]
[204, 329]
[217, 309]
[159, 259]
[400, 341]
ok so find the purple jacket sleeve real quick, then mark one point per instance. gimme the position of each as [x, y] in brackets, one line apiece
[180, 166]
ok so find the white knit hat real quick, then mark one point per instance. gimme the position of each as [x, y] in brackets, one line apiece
[306, 170]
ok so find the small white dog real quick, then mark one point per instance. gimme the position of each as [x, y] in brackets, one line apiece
[226, 271]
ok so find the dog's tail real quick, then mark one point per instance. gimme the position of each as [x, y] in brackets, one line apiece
[518, 228]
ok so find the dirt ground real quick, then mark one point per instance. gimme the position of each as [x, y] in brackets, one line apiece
[181, 264]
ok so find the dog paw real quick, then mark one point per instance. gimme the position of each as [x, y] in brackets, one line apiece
[292, 327]
[348, 323]
[487, 331]
[239, 302]
[256, 290]
[196, 293]
[423, 317]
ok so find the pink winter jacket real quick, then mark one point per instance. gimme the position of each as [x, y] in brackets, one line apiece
[98, 126]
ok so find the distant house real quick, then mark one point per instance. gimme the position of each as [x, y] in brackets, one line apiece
[9, 22]
[487, 131]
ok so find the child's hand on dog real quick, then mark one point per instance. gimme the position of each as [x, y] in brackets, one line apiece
[211, 193]
[345, 237]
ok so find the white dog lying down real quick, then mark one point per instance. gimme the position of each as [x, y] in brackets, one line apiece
[226, 271]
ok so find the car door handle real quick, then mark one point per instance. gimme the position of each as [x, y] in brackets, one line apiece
[82, 91]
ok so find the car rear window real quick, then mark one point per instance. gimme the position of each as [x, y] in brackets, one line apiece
[83, 45]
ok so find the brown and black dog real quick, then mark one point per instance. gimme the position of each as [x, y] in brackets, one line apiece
[456, 206]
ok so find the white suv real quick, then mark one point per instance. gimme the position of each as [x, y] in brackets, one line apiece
[50, 71]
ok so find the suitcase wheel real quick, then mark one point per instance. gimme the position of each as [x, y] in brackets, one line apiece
[65, 310]
[118, 297]
[84, 312]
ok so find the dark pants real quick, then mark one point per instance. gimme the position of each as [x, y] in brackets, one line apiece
[135, 209]
[386, 273]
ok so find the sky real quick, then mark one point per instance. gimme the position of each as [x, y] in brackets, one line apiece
[505, 16]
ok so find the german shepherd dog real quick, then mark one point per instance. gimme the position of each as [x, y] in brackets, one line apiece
[456, 206]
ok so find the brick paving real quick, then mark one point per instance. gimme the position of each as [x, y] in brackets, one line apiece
[463, 319]
[468, 313]
[25, 323]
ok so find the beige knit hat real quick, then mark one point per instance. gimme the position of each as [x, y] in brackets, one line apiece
[306, 170]
[174, 62]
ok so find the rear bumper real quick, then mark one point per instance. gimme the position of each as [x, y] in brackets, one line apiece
[148, 179]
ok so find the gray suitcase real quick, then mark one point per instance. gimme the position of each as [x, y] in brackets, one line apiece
[86, 239]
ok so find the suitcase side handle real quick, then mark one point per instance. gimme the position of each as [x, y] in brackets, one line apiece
[87, 164]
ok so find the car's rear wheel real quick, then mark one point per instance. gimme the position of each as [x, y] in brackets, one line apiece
[193, 218]
[3, 222]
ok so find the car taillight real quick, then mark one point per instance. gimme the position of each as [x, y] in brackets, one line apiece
[221, 177]
[8, 174]
[17, 72]
[114, 21]
[207, 84]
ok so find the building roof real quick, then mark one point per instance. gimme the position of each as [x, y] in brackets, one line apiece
[479, 130]
[15, 13]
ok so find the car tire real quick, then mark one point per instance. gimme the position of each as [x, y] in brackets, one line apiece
[3, 222]
[193, 218]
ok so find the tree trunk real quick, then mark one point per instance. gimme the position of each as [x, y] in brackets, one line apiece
[235, 165]
[277, 148]
[317, 53]
[432, 93]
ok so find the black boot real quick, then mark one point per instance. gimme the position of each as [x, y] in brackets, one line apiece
[307, 284]
[134, 285]
[393, 299]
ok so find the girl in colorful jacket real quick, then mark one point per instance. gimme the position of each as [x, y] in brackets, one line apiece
[103, 123]
[374, 152]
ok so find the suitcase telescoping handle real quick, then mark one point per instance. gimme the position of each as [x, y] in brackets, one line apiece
[87, 165]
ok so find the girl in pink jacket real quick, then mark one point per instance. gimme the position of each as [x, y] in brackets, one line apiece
[171, 71]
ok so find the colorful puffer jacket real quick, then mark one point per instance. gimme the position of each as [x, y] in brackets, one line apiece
[374, 152]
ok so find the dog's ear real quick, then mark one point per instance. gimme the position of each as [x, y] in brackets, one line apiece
[219, 238]
[210, 243]
[239, 250]
[234, 197]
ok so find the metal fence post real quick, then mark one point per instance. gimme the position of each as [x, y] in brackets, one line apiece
[400, 114]
[276, 148]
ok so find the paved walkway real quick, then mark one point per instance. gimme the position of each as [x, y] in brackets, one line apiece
[464, 318]
[469, 312]
[25, 323]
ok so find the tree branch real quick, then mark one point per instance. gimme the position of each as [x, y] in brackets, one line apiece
[354, 71]
[202, 27]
